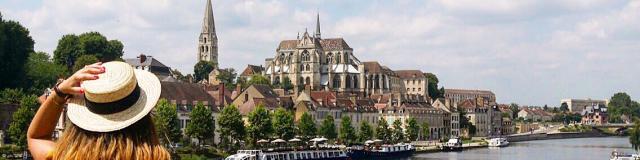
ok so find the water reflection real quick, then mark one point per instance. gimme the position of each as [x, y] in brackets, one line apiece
[581, 148]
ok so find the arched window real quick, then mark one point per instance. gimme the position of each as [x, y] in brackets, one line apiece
[355, 82]
[305, 56]
[338, 57]
[308, 81]
[206, 48]
[201, 48]
[329, 58]
[307, 68]
[348, 82]
[336, 82]
[205, 39]
[302, 67]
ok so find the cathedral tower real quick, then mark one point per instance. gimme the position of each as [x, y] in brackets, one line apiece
[208, 41]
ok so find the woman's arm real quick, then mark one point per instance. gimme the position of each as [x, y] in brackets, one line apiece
[44, 122]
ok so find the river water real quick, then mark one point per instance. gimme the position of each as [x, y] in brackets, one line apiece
[570, 149]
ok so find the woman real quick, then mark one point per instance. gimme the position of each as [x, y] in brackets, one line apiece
[108, 106]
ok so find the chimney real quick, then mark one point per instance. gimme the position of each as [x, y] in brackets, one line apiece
[221, 94]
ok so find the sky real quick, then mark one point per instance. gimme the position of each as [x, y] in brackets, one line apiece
[531, 52]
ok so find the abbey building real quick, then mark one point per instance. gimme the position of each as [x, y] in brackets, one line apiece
[208, 41]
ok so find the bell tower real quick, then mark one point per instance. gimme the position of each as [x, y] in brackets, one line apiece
[208, 41]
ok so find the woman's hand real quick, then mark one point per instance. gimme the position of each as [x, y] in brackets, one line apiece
[71, 85]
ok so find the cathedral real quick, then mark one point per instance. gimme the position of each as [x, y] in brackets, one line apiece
[208, 41]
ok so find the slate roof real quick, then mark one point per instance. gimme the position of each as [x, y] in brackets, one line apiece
[180, 91]
[331, 44]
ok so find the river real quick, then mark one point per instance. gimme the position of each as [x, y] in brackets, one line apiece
[571, 149]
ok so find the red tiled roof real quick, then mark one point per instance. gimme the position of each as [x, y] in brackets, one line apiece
[405, 74]
[251, 70]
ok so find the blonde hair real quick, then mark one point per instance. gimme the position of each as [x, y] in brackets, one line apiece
[138, 141]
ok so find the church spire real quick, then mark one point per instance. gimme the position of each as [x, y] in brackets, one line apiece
[208, 25]
[318, 26]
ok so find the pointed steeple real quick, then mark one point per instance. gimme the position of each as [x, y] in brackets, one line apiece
[208, 25]
[318, 26]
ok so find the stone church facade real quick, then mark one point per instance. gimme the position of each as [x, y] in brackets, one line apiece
[323, 64]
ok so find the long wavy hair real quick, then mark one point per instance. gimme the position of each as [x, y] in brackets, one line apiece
[137, 141]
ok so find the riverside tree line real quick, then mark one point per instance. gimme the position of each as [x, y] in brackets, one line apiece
[261, 124]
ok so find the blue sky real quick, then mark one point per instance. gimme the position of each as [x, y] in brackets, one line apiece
[530, 52]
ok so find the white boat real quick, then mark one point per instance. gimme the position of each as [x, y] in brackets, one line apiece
[498, 142]
[615, 155]
[454, 144]
[328, 154]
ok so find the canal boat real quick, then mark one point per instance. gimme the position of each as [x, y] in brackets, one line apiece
[498, 142]
[317, 151]
[373, 151]
[454, 144]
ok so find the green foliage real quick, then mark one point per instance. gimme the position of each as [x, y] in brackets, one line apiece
[260, 126]
[412, 129]
[228, 77]
[287, 85]
[166, 122]
[17, 131]
[432, 87]
[283, 124]
[258, 79]
[634, 135]
[514, 109]
[576, 128]
[71, 47]
[202, 69]
[306, 126]
[83, 61]
[621, 104]
[566, 117]
[347, 133]
[564, 107]
[465, 123]
[15, 46]
[397, 132]
[202, 124]
[425, 129]
[365, 133]
[11, 96]
[382, 130]
[42, 72]
[178, 75]
[231, 128]
[328, 128]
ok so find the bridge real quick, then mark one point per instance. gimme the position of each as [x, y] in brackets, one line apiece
[616, 128]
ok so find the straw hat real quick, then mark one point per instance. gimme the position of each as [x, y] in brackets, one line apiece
[119, 98]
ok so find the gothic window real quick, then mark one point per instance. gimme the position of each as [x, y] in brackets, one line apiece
[307, 68]
[336, 82]
[201, 48]
[338, 57]
[348, 82]
[329, 58]
[205, 39]
[308, 81]
[302, 67]
[305, 56]
[206, 48]
[355, 82]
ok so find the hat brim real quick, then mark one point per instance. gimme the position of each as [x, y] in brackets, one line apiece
[80, 115]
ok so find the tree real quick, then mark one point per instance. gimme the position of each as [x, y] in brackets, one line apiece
[426, 130]
[231, 129]
[228, 77]
[328, 128]
[21, 119]
[201, 125]
[622, 105]
[202, 69]
[71, 47]
[167, 122]
[287, 85]
[382, 130]
[365, 133]
[397, 132]
[564, 107]
[306, 126]
[634, 135]
[178, 75]
[465, 123]
[42, 72]
[83, 61]
[347, 133]
[15, 46]
[283, 124]
[432, 86]
[260, 126]
[514, 109]
[412, 129]
[258, 79]
[11, 96]
[545, 108]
